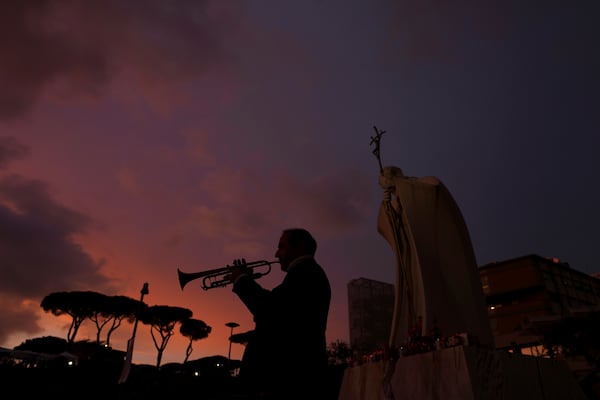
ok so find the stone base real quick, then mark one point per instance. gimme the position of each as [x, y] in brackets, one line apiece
[462, 373]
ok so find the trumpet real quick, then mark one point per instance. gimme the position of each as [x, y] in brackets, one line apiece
[218, 277]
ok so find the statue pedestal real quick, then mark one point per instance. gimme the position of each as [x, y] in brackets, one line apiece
[463, 373]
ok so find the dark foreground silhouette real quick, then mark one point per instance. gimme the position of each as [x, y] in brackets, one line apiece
[99, 380]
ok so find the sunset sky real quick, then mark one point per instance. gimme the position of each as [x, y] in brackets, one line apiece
[138, 137]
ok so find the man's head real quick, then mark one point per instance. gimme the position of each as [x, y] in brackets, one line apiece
[294, 243]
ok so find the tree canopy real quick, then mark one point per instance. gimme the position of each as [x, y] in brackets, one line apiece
[194, 329]
[162, 320]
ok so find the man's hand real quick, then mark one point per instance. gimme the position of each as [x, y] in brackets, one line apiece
[238, 269]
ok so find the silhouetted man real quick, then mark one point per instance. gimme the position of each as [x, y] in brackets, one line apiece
[286, 357]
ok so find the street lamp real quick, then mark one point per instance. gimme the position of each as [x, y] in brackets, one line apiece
[129, 353]
[231, 325]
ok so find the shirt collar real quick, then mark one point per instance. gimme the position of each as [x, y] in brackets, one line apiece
[298, 261]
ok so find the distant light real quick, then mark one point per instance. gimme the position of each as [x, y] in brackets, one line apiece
[555, 260]
[196, 373]
[70, 363]
[492, 307]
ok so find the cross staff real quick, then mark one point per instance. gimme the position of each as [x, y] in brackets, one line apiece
[377, 150]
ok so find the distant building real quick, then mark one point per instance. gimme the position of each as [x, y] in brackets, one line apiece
[529, 290]
[370, 311]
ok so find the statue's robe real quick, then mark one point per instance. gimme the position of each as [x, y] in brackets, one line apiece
[437, 281]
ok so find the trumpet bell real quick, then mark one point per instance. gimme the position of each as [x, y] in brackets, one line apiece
[184, 278]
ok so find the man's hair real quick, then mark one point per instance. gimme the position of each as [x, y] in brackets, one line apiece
[302, 237]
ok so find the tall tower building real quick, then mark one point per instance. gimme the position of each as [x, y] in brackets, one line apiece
[370, 311]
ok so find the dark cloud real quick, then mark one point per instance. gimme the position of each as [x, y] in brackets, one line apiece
[39, 45]
[38, 248]
[11, 149]
[37, 240]
[82, 45]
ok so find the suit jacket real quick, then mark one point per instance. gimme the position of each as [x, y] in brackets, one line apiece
[288, 350]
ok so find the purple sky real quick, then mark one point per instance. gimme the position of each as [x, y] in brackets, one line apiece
[141, 137]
